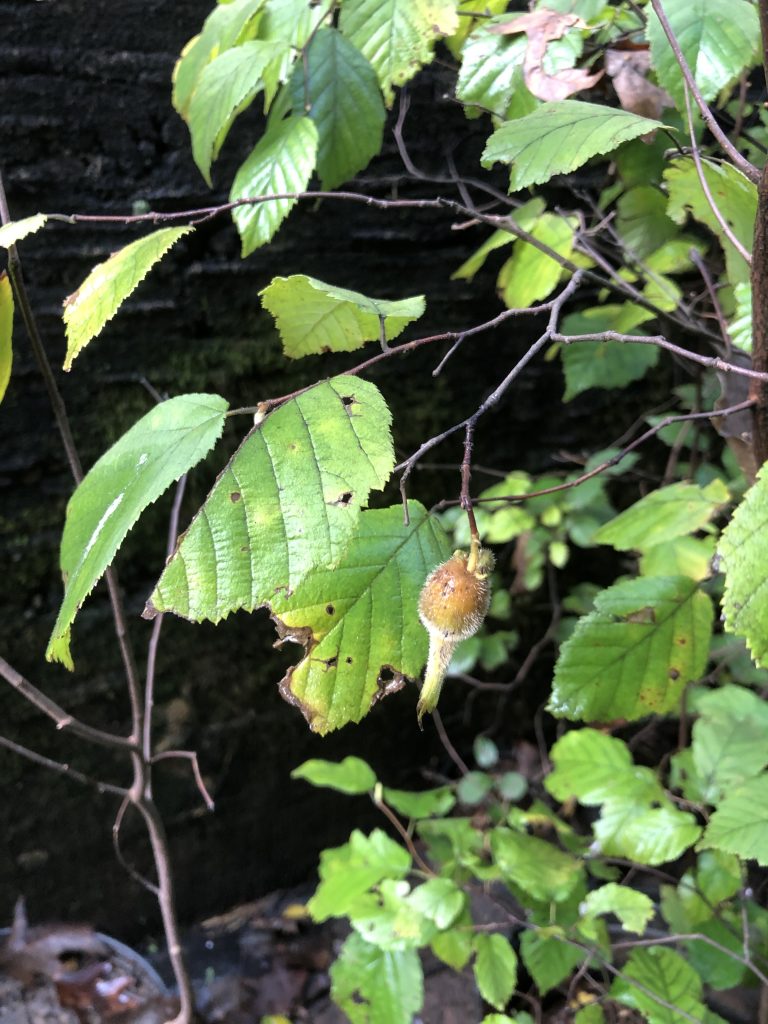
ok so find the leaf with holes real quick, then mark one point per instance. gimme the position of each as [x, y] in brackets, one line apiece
[744, 560]
[226, 26]
[109, 284]
[559, 137]
[15, 230]
[288, 502]
[358, 620]
[134, 472]
[337, 88]
[635, 653]
[718, 38]
[314, 317]
[226, 87]
[6, 332]
[397, 36]
[280, 163]
[376, 985]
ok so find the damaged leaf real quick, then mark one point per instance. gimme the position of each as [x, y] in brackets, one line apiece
[287, 502]
[359, 620]
[541, 27]
[628, 69]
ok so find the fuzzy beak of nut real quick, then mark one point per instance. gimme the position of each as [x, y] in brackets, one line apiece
[453, 603]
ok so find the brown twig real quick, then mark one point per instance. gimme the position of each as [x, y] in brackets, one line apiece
[62, 768]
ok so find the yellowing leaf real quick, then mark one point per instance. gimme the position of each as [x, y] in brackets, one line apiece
[6, 332]
[109, 284]
[15, 230]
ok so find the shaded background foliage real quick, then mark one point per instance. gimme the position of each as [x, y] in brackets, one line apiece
[85, 109]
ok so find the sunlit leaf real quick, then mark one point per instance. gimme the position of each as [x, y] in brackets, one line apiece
[397, 36]
[662, 515]
[539, 868]
[337, 88]
[358, 620]
[226, 26]
[529, 274]
[15, 230]
[314, 317]
[633, 908]
[425, 804]
[133, 473]
[225, 88]
[374, 985]
[558, 138]
[740, 822]
[348, 871]
[109, 284]
[718, 38]
[288, 501]
[6, 332]
[744, 560]
[352, 775]
[280, 164]
[635, 653]
[495, 969]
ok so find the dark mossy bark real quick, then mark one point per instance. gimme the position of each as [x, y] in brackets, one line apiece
[88, 127]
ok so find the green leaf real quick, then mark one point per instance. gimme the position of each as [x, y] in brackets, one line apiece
[736, 199]
[541, 870]
[349, 871]
[654, 836]
[133, 473]
[337, 88]
[429, 803]
[440, 900]
[314, 317]
[397, 36]
[633, 908]
[605, 364]
[474, 787]
[718, 38]
[662, 515]
[485, 752]
[359, 619]
[635, 653]
[6, 332]
[740, 823]
[512, 786]
[454, 946]
[659, 983]
[744, 560]
[390, 918]
[289, 500]
[15, 230]
[529, 274]
[490, 63]
[524, 216]
[740, 327]
[109, 284]
[642, 221]
[548, 958]
[373, 986]
[495, 969]
[280, 164]
[226, 26]
[559, 137]
[683, 556]
[591, 1014]
[352, 775]
[225, 88]
[287, 24]
[594, 767]
[728, 740]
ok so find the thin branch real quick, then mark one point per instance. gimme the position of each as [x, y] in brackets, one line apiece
[724, 225]
[63, 720]
[728, 147]
[137, 876]
[191, 756]
[450, 750]
[62, 769]
[390, 815]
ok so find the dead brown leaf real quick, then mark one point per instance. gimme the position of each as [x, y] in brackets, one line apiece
[542, 27]
[629, 70]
